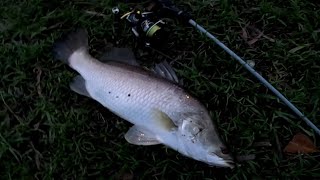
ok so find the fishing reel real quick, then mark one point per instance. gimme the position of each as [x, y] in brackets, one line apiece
[147, 26]
[150, 22]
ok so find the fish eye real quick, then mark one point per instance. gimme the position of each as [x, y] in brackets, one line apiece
[224, 150]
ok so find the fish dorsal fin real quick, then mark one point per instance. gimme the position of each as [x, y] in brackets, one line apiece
[165, 70]
[139, 136]
[163, 121]
[126, 55]
[123, 55]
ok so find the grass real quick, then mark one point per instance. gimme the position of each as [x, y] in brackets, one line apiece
[49, 132]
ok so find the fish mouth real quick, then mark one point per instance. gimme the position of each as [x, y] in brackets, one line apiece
[230, 164]
[224, 164]
[226, 160]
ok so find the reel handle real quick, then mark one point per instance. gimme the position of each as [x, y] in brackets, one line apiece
[167, 7]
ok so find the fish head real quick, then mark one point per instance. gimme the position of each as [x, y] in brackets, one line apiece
[200, 140]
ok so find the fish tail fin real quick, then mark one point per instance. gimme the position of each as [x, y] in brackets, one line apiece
[76, 41]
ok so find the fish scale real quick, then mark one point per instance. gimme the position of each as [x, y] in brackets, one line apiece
[160, 111]
[136, 105]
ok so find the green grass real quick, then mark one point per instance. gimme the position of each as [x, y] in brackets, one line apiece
[49, 132]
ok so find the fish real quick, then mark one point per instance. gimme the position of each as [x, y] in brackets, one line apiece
[160, 110]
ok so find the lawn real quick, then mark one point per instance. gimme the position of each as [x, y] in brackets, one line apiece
[49, 132]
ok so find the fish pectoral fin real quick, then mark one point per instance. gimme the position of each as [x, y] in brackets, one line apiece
[123, 55]
[163, 120]
[78, 85]
[138, 136]
[165, 70]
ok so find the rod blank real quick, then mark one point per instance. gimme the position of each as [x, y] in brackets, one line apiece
[257, 75]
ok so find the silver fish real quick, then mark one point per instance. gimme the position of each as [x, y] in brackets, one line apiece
[160, 110]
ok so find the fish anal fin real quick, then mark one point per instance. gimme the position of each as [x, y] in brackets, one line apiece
[139, 136]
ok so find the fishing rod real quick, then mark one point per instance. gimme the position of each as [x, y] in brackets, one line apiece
[146, 27]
